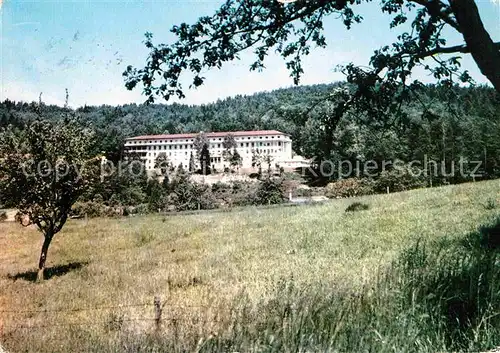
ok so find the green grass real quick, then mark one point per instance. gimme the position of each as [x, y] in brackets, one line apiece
[308, 278]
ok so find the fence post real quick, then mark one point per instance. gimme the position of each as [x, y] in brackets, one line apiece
[158, 312]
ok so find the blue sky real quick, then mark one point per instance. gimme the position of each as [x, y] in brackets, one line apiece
[47, 46]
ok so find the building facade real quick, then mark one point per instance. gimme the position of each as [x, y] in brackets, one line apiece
[178, 148]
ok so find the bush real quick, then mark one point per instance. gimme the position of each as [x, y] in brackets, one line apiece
[348, 188]
[269, 192]
[89, 208]
[243, 193]
[3, 216]
[400, 179]
[357, 206]
[491, 204]
[139, 209]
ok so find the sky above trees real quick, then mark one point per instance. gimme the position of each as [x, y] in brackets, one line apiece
[47, 46]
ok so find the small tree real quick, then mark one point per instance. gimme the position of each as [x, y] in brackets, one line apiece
[228, 144]
[271, 191]
[161, 163]
[44, 170]
[268, 159]
[236, 160]
[205, 160]
[192, 163]
[257, 160]
[201, 145]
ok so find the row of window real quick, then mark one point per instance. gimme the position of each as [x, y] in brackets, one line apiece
[141, 142]
[246, 144]
[247, 152]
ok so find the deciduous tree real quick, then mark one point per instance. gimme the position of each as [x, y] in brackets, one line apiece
[44, 170]
[161, 163]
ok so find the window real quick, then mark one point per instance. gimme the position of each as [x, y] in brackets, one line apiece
[279, 143]
[218, 145]
[247, 144]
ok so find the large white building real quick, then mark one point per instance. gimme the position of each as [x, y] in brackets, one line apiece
[178, 147]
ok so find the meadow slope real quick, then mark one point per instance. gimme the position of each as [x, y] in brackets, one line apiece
[105, 272]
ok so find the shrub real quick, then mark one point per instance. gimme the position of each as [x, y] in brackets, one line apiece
[400, 179]
[269, 192]
[243, 193]
[348, 188]
[89, 208]
[139, 209]
[357, 206]
[491, 204]
[3, 216]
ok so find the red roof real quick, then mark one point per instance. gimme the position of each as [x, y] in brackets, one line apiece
[209, 134]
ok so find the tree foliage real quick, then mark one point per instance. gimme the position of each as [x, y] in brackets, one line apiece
[43, 172]
[162, 163]
[293, 29]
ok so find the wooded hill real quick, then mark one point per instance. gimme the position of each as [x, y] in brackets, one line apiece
[440, 123]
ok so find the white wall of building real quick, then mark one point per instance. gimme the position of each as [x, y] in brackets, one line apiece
[178, 148]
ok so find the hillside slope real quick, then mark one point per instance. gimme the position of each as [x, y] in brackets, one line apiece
[106, 271]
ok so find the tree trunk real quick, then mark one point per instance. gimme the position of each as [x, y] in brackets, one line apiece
[484, 51]
[43, 257]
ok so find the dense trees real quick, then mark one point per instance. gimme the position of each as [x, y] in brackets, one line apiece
[440, 123]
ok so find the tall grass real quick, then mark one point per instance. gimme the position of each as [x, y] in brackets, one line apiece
[416, 280]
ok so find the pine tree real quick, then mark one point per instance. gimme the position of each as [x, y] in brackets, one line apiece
[236, 159]
[192, 164]
[205, 160]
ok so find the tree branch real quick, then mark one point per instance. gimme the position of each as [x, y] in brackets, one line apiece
[450, 50]
[482, 48]
[434, 7]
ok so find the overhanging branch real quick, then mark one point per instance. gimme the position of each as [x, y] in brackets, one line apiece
[435, 9]
[450, 50]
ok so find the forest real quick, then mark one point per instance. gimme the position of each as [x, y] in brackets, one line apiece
[439, 124]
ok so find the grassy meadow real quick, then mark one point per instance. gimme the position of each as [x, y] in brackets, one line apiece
[413, 272]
